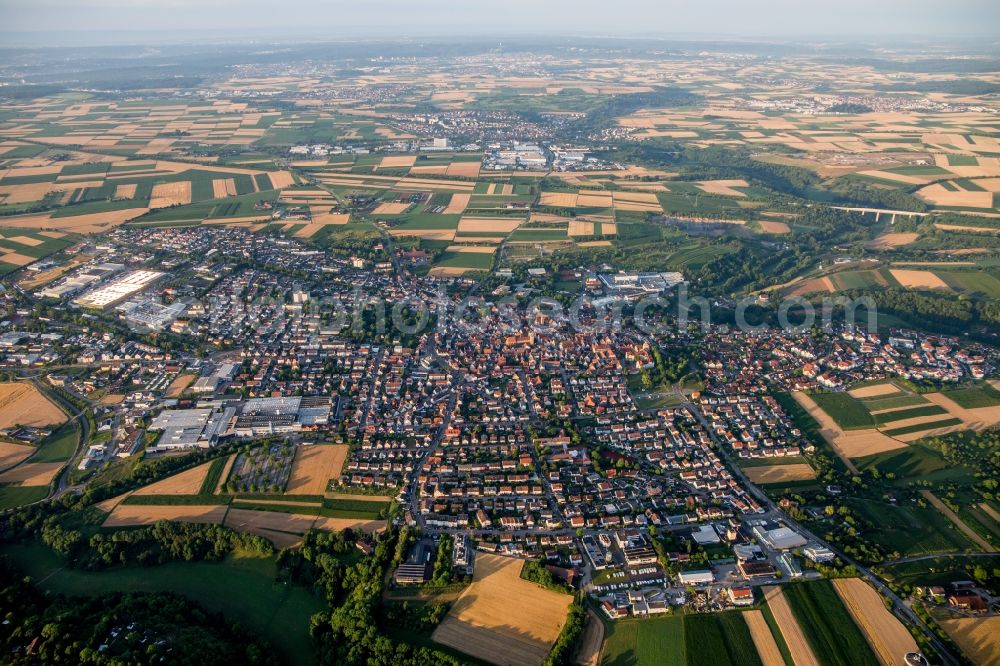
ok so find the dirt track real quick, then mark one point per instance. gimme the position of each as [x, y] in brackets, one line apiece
[958, 522]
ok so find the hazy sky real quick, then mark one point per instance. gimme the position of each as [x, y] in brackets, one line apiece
[372, 19]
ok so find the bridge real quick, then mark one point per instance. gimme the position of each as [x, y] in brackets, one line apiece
[879, 212]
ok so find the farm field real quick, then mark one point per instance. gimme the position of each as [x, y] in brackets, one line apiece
[502, 618]
[314, 467]
[243, 587]
[22, 404]
[788, 626]
[771, 474]
[887, 636]
[682, 640]
[909, 529]
[979, 638]
[827, 624]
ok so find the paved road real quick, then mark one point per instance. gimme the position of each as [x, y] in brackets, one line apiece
[899, 608]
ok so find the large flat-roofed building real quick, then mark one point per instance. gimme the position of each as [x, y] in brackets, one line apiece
[190, 428]
[779, 538]
[639, 284]
[119, 289]
[269, 416]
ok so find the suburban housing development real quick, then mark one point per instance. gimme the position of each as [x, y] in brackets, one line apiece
[550, 351]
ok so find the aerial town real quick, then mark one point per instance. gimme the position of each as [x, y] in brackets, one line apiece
[536, 354]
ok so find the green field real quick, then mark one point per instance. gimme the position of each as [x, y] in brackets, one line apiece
[977, 283]
[921, 427]
[681, 640]
[475, 260]
[916, 463]
[893, 402]
[909, 413]
[977, 396]
[14, 496]
[847, 412]
[243, 588]
[827, 624]
[909, 529]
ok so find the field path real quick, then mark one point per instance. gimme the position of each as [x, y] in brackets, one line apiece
[985, 545]
[763, 639]
[798, 646]
[885, 633]
[589, 653]
[990, 511]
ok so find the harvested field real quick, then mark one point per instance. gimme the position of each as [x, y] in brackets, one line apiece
[16, 258]
[250, 520]
[558, 199]
[918, 279]
[888, 241]
[780, 473]
[798, 646]
[723, 187]
[223, 187]
[770, 227]
[281, 179]
[24, 193]
[985, 545]
[473, 249]
[594, 200]
[391, 208]
[314, 467]
[978, 637]
[874, 391]
[397, 161]
[463, 169]
[887, 636]
[130, 515]
[125, 191]
[763, 639]
[11, 454]
[503, 225]
[459, 202]
[503, 619]
[165, 195]
[23, 404]
[847, 445]
[186, 483]
[180, 384]
[963, 227]
[823, 284]
[975, 418]
[939, 195]
[337, 524]
[32, 474]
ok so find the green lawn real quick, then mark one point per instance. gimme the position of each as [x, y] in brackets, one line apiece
[846, 411]
[477, 260]
[827, 624]
[243, 588]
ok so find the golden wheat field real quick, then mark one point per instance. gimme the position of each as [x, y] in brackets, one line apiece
[503, 619]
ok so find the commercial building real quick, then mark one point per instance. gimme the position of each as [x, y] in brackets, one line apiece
[191, 428]
[119, 289]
